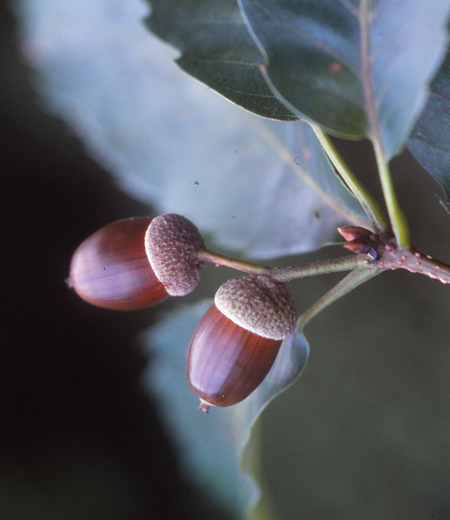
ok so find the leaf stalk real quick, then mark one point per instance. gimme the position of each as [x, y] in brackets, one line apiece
[372, 209]
[334, 265]
[398, 220]
[289, 273]
[239, 265]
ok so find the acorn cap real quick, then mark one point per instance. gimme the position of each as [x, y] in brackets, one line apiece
[172, 244]
[259, 304]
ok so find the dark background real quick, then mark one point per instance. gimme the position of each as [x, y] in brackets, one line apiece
[78, 438]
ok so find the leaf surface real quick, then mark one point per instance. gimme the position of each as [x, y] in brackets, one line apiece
[359, 68]
[430, 139]
[218, 50]
[261, 187]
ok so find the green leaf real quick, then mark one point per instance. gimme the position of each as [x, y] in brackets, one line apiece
[355, 70]
[312, 59]
[261, 187]
[359, 68]
[213, 446]
[218, 50]
[430, 139]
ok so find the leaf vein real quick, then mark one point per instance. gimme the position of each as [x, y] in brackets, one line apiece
[349, 7]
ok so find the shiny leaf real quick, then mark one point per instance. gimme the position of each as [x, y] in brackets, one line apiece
[430, 139]
[358, 68]
[218, 50]
[264, 188]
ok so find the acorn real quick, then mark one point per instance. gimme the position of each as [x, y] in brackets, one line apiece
[237, 340]
[137, 262]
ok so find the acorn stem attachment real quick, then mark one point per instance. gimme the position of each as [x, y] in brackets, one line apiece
[334, 265]
[239, 265]
[374, 252]
[287, 274]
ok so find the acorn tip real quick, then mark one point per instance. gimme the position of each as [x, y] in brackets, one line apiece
[204, 406]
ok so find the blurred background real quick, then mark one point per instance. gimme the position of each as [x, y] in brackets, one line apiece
[363, 434]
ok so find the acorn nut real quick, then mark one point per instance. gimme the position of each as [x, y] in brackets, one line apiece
[137, 262]
[236, 342]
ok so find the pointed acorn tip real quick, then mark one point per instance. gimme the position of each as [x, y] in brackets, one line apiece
[204, 406]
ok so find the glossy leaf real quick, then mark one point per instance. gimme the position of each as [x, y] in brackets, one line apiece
[212, 445]
[356, 70]
[218, 50]
[359, 68]
[264, 188]
[430, 139]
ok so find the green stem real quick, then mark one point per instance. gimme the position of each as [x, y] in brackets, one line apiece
[286, 274]
[335, 265]
[239, 265]
[398, 220]
[369, 204]
[347, 284]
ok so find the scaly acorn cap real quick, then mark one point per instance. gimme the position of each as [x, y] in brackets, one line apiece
[172, 244]
[259, 304]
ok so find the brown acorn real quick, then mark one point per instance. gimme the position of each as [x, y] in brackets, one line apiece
[237, 340]
[133, 263]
